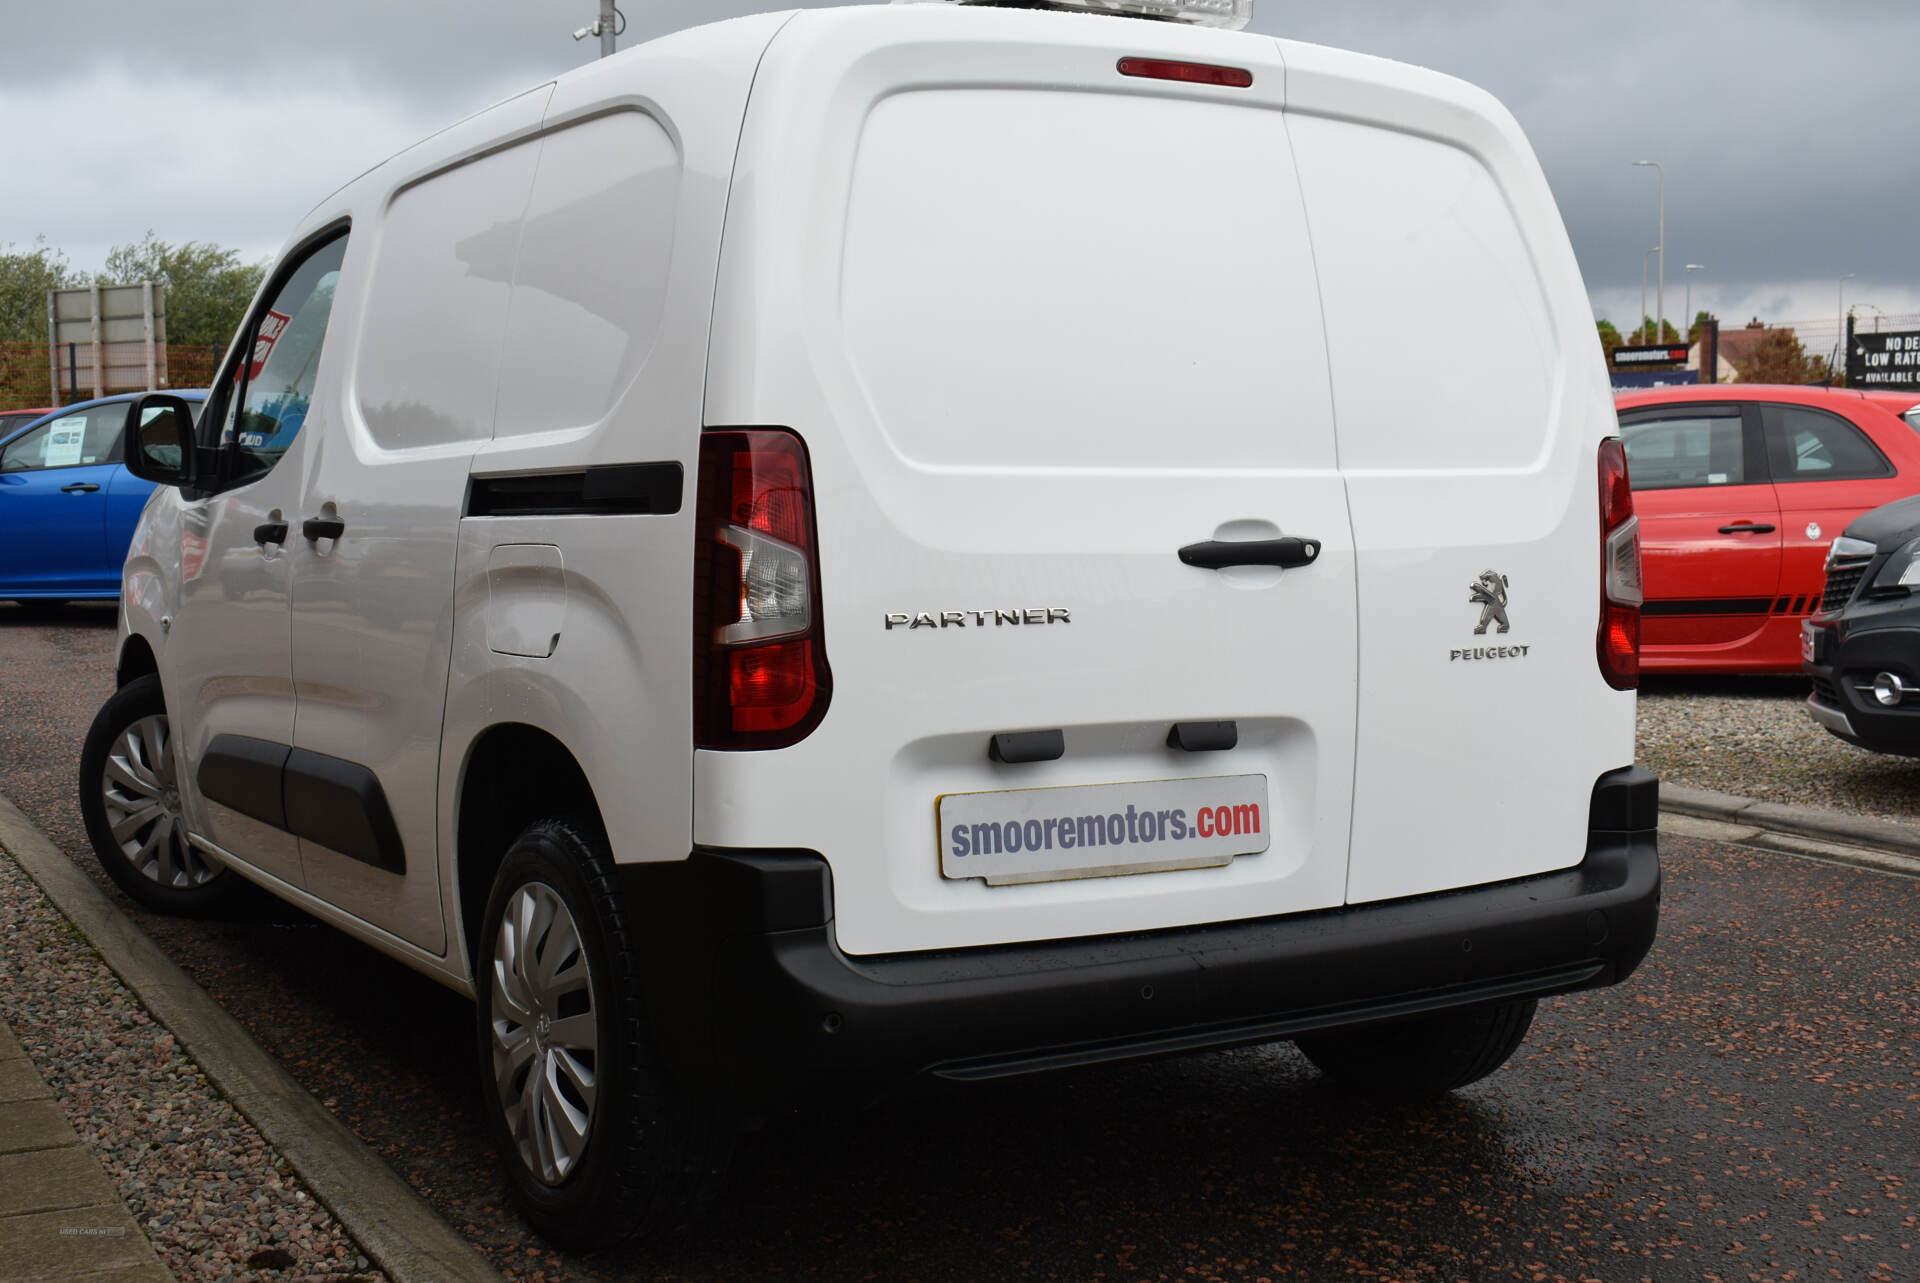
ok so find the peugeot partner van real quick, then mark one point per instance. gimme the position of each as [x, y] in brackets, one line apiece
[908, 540]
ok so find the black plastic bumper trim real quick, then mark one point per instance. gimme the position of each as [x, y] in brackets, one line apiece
[753, 998]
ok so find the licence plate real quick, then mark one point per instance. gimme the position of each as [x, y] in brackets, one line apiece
[1102, 830]
[1810, 635]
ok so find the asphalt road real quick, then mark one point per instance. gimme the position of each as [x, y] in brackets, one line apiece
[1743, 1108]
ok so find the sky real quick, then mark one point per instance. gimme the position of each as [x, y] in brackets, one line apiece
[1784, 126]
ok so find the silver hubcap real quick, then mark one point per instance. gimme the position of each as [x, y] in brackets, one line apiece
[544, 1037]
[142, 793]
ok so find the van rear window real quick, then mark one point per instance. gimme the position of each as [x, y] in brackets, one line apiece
[1083, 280]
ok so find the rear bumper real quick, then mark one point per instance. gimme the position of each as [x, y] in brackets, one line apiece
[754, 997]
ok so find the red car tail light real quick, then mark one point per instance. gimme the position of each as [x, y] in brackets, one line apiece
[760, 677]
[1621, 590]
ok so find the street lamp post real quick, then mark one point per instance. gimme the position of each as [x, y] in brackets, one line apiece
[1840, 323]
[1642, 327]
[1691, 269]
[1660, 290]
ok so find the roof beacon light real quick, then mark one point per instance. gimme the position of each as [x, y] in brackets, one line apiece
[1231, 14]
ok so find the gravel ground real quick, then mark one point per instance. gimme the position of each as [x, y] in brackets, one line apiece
[1751, 736]
[215, 1200]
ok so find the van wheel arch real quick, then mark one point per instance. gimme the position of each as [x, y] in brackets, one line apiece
[515, 774]
[136, 661]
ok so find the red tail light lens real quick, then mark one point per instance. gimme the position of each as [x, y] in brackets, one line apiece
[760, 672]
[1621, 591]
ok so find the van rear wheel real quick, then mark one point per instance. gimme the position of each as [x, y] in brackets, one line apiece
[597, 1142]
[1423, 1056]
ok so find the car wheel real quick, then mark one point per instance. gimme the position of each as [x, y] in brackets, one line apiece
[597, 1142]
[130, 801]
[1425, 1055]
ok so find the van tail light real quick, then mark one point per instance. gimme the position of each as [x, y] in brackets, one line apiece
[760, 677]
[1621, 591]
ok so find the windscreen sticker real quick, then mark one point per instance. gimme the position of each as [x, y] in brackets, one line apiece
[272, 326]
[66, 439]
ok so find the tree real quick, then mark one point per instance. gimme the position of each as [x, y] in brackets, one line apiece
[25, 278]
[1645, 333]
[1700, 322]
[1778, 357]
[208, 286]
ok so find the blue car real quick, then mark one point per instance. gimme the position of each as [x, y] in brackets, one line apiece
[67, 503]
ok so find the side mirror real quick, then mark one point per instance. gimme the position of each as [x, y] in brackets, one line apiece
[160, 443]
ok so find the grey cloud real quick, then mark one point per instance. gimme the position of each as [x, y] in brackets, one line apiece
[1781, 123]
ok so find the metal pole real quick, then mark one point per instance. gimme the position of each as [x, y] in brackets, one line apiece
[606, 28]
[53, 351]
[1641, 324]
[93, 333]
[1660, 294]
[1840, 319]
[146, 328]
[1691, 269]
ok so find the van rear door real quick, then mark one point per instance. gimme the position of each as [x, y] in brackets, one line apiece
[1471, 404]
[1042, 325]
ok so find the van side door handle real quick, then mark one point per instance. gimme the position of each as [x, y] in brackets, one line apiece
[1286, 551]
[323, 528]
[1747, 528]
[270, 532]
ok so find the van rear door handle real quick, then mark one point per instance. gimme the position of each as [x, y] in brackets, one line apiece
[1285, 551]
[1747, 528]
[323, 528]
[79, 487]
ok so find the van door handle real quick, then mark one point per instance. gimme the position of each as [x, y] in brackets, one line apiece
[1747, 528]
[323, 528]
[79, 487]
[1286, 551]
[270, 532]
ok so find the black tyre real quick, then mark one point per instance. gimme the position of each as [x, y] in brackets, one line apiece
[130, 800]
[597, 1143]
[1423, 1056]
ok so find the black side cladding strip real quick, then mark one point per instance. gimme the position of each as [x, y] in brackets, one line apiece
[340, 805]
[1709, 606]
[615, 489]
[243, 774]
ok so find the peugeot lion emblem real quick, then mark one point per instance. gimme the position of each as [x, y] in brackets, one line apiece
[1490, 592]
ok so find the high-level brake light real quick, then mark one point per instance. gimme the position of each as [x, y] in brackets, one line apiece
[1621, 591]
[760, 672]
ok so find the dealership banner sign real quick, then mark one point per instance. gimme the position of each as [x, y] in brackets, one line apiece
[1884, 361]
[1652, 356]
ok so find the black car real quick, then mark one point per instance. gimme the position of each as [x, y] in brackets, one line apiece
[1862, 648]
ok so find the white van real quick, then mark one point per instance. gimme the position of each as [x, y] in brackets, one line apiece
[909, 539]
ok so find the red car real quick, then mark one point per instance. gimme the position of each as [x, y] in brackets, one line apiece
[11, 419]
[1740, 488]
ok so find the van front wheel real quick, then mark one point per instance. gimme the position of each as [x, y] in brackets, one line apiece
[596, 1141]
[1422, 1056]
[130, 803]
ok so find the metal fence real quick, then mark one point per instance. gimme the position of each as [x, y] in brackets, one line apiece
[26, 378]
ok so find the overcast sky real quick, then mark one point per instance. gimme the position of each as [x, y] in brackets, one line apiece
[1785, 125]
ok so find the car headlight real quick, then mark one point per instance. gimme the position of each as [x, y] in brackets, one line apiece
[1901, 570]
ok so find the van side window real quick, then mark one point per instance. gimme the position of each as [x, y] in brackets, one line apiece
[262, 408]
